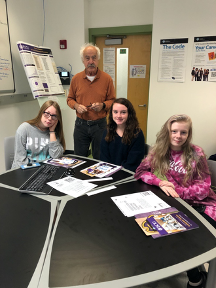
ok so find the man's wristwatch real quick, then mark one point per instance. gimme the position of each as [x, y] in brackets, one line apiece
[104, 105]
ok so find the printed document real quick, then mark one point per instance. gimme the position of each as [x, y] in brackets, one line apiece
[141, 202]
[72, 186]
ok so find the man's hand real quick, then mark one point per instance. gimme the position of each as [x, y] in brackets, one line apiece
[80, 108]
[168, 188]
[97, 106]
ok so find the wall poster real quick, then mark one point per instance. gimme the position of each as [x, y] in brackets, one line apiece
[40, 69]
[204, 59]
[172, 60]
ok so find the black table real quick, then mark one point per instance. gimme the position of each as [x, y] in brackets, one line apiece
[26, 223]
[95, 245]
[15, 178]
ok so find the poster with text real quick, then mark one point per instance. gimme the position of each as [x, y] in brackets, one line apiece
[109, 62]
[204, 59]
[172, 60]
[40, 69]
[137, 71]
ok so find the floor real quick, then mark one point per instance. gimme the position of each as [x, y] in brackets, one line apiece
[177, 281]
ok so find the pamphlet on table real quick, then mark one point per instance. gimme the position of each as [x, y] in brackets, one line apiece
[159, 225]
[66, 162]
[72, 186]
[141, 202]
[101, 169]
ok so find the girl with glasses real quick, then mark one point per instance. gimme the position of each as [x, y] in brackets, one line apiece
[40, 138]
[123, 141]
[180, 169]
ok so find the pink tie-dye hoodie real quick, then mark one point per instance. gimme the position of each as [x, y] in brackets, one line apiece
[195, 191]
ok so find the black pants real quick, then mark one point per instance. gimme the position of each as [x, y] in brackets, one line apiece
[87, 132]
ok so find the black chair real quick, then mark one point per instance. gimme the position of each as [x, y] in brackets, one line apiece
[147, 147]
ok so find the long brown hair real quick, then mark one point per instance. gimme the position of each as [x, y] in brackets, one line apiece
[59, 128]
[132, 125]
[160, 153]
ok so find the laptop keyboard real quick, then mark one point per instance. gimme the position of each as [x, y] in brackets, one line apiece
[38, 180]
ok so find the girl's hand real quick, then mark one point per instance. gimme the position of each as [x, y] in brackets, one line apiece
[166, 183]
[168, 188]
[52, 128]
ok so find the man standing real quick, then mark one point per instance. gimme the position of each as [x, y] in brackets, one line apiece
[91, 94]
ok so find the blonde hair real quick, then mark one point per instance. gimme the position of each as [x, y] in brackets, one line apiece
[159, 155]
[59, 128]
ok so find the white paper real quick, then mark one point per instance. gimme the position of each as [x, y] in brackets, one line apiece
[72, 186]
[110, 69]
[108, 55]
[101, 190]
[141, 202]
[100, 179]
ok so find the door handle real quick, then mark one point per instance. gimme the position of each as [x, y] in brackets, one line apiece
[144, 105]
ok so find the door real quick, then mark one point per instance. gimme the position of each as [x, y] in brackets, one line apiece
[138, 88]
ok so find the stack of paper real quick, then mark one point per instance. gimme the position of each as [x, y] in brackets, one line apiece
[141, 202]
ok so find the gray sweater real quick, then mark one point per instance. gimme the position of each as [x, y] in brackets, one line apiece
[32, 144]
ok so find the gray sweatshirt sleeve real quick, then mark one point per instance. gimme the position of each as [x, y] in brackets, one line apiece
[20, 153]
[55, 149]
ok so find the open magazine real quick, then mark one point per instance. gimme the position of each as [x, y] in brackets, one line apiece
[101, 169]
[165, 224]
[66, 162]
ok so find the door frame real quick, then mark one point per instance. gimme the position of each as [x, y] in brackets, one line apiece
[125, 30]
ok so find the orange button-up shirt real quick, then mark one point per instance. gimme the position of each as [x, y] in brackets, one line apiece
[84, 92]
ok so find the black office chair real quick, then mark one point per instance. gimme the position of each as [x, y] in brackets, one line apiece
[147, 147]
[212, 169]
[9, 151]
[68, 152]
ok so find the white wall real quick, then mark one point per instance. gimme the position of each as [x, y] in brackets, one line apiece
[64, 20]
[183, 19]
[25, 24]
[103, 13]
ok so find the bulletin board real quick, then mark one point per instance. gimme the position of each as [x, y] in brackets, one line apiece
[6, 68]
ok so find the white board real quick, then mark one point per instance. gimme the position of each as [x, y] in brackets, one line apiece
[6, 70]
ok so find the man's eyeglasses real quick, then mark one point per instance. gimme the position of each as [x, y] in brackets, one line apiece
[47, 115]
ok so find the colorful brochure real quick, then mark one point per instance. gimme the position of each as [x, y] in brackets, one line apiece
[101, 169]
[66, 162]
[157, 212]
[165, 224]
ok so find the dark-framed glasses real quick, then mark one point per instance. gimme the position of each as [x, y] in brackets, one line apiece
[47, 115]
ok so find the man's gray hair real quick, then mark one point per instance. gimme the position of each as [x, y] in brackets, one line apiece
[89, 45]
